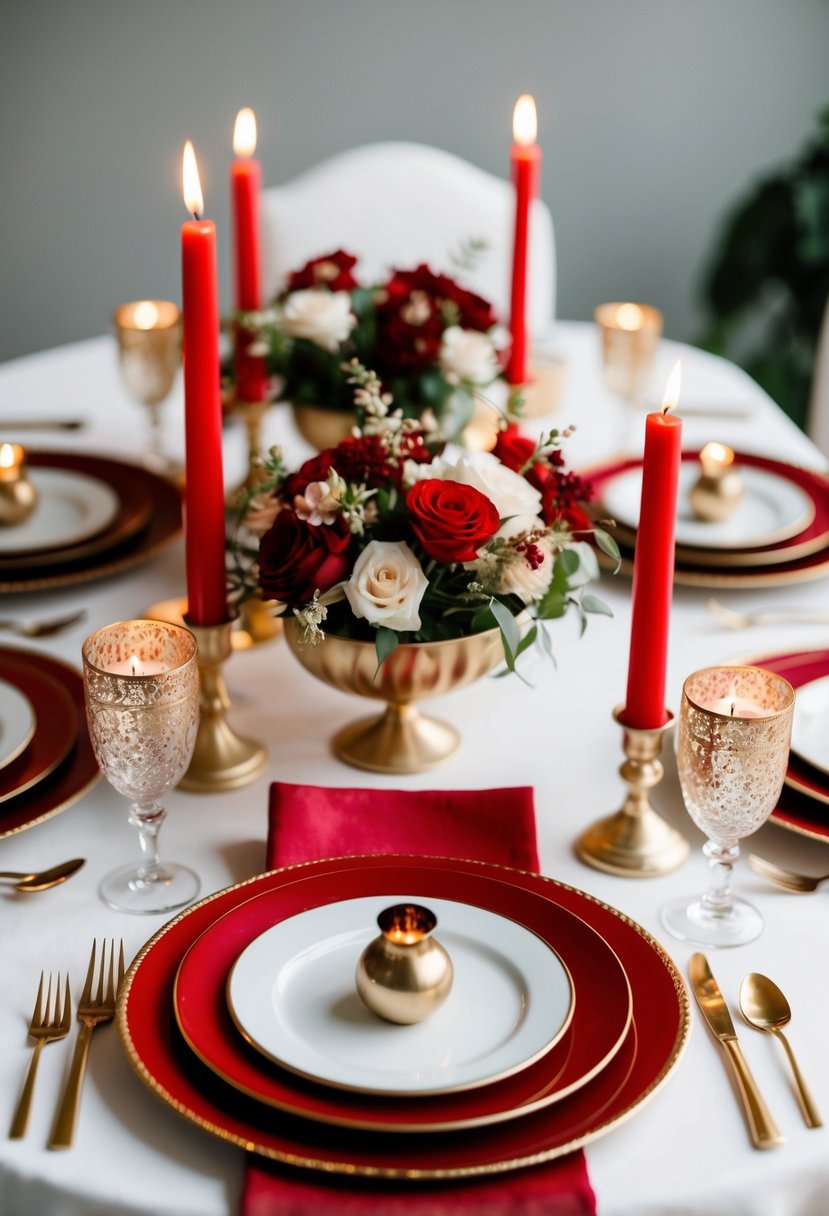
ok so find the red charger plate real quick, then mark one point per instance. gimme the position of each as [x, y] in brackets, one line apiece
[802, 801]
[159, 1056]
[56, 726]
[600, 1023]
[76, 774]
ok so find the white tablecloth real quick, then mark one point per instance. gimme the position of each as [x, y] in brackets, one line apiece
[687, 1150]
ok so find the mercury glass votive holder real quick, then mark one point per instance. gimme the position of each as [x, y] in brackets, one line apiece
[149, 353]
[630, 335]
[732, 746]
[141, 683]
[404, 975]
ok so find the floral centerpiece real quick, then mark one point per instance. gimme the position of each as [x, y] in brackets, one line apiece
[388, 538]
[431, 342]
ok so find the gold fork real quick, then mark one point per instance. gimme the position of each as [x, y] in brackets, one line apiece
[788, 880]
[92, 1011]
[49, 1023]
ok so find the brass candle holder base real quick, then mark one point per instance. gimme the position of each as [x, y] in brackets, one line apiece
[635, 842]
[254, 626]
[222, 760]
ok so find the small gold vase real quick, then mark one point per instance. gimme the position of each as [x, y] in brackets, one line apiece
[401, 739]
[322, 426]
[404, 975]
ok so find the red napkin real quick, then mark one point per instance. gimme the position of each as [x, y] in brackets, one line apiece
[308, 822]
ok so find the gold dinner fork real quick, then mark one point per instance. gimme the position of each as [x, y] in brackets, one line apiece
[50, 1022]
[788, 880]
[92, 1011]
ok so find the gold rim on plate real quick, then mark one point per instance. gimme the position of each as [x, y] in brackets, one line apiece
[367, 1171]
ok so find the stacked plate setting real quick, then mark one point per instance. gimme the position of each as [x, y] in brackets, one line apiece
[564, 1017]
[778, 533]
[94, 516]
[46, 757]
[804, 802]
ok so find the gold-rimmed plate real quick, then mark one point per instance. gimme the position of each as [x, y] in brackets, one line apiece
[651, 1050]
[149, 519]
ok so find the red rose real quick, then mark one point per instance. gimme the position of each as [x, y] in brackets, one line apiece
[332, 270]
[296, 559]
[514, 450]
[452, 521]
[314, 469]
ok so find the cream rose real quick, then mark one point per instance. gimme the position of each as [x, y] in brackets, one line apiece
[468, 355]
[323, 317]
[511, 493]
[387, 585]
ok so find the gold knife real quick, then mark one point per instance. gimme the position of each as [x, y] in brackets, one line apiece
[761, 1126]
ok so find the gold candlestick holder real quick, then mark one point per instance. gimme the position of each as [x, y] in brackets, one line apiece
[252, 414]
[635, 842]
[222, 760]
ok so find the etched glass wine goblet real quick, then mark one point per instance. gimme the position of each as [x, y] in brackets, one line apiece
[733, 736]
[141, 683]
[149, 352]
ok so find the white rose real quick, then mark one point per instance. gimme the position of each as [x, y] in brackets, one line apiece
[467, 354]
[511, 493]
[387, 585]
[323, 317]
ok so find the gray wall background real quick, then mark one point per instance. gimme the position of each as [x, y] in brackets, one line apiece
[655, 115]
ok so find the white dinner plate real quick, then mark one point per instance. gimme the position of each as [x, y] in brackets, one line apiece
[292, 994]
[771, 509]
[810, 728]
[71, 507]
[17, 722]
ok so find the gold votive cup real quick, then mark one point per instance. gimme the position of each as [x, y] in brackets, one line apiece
[630, 335]
[719, 488]
[404, 975]
[222, 760]
[18, 497]
[635, 842]
[544, 389]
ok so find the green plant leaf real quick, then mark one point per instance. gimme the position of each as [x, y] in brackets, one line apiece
[385, 643]
[553, 605]
[608, 545]
[510, 632]
[568, 562]
[592, 603]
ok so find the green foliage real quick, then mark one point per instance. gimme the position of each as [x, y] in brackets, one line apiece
[768, 284]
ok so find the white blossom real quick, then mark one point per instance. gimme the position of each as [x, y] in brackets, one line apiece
[467, 355]
[322, 317]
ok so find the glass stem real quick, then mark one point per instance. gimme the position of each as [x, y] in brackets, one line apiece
[721, 859]
[148, 819]
[155, 446]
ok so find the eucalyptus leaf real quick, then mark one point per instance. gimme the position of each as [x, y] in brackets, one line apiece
[510, 632]
[608, 545]
[592, 603]
[385, 644]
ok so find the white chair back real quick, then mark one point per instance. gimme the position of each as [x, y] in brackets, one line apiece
[399, 204]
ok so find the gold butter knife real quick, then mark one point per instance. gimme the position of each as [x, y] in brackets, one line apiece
[761, 1126]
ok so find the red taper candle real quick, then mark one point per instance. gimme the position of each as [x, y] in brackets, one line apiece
[204, 504]
[525, 157]
[653, 566]
[245, 192]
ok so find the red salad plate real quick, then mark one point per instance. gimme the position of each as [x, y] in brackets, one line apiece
[600, 1023]
[160, 1057]
[75, 774]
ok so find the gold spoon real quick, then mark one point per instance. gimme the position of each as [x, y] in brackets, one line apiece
[46, 878]
[764, 1007]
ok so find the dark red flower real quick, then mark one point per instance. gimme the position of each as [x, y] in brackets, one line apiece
[514, 450]
[452, 521]
[314, 469]
[366, 459]
[296, 558]
[332, 270]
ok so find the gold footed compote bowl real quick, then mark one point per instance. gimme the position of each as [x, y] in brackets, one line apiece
[149, 351]
[141, 682]
[735, 726]
[401, 739]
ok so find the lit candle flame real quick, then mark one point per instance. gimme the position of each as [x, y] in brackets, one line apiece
[629, 317]
[524, 121]
[145, 315]
[8, 457]
[672, 388]
[193, 199]
[244, 133]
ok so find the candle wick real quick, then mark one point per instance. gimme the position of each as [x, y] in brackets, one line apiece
[195, 215]
[132, 665]
[732, 708]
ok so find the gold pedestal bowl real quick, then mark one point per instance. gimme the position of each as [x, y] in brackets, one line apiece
[401, 739]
